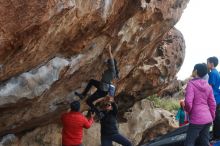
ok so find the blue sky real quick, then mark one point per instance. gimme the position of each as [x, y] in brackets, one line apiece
[200, 26]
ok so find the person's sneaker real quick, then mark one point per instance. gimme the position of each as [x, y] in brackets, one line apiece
[79, 95]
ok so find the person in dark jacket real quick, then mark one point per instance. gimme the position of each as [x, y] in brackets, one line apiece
[109, 126]
[73, 123]
[104, 86]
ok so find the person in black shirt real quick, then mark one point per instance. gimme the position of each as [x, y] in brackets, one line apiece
[109, 126]
[104, 86]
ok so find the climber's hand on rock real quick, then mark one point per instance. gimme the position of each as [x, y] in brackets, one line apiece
[109, 47]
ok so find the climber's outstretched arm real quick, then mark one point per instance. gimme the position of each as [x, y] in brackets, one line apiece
[110, 51]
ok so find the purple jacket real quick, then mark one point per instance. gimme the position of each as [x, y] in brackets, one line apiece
[200, 102]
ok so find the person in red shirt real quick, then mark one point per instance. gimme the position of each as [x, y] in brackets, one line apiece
[73, 123]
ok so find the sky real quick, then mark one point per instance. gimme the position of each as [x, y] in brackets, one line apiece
[200, 26]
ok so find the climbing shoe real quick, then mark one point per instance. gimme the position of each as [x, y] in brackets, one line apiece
[79, 95]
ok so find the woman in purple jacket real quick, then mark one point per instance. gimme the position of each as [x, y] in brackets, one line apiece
[200, 104]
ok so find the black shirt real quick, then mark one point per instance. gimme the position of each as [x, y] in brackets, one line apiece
[109, 125]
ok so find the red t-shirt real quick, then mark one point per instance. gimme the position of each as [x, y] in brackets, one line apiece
[73, 124]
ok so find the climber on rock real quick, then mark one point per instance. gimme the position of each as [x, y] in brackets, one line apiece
[104, 87]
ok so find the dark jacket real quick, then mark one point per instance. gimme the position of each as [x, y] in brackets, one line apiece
[109, 125]
[108, 76]
[110, 73]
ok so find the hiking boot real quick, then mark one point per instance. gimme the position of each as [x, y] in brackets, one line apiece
[79, 95]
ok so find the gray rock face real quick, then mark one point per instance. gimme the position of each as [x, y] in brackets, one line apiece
[49, 49]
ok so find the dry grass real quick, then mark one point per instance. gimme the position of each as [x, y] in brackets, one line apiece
[170, 104]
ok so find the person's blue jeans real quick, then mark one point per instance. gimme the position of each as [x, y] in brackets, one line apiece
[118, 138]
[198, 131]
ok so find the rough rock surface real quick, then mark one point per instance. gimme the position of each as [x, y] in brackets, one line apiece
[49, 49]
[174, 89]
[141, 118]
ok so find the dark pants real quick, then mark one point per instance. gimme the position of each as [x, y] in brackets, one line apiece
[198, 131]
[216, 124]
[91, 83]
[118, 138]
[98, 94]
